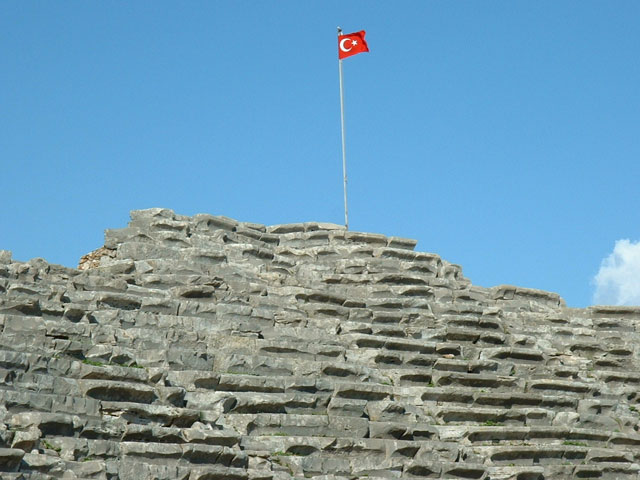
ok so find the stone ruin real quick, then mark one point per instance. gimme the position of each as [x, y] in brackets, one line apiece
[202, 348]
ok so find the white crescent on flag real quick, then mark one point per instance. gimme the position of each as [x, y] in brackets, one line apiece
[342, 47]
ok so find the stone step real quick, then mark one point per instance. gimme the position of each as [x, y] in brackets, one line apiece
[191, 453]
[306, 457]
[52, 427]
[403, 345]
[495, 382]
[606, 471]
[163, 415]
[483, 398]
[25, 400]
[445, 306]
[545, 454]
[396, 467]
[405, 431]
[493, 416]
[515, 472]
[266, 424]
[565, 386]
[10, 459]
[514, 354]
[98, 389]
[134, 468]
[274, 365]
[481, 324]
[440, 362]
[602, 471]
[82, 449]
[310, 445]
[253, 402]
[207, 436]
[586, 437]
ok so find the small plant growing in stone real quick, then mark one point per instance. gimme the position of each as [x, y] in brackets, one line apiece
[280, 453]
[48, 446]
[86, 361]
[574, 443]
[491, 423]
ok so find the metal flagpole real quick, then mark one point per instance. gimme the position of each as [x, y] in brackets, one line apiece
[344, 156]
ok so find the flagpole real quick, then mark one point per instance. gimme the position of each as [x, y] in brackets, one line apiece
[344, 156]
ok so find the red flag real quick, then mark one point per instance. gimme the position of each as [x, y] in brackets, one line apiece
[351, 44]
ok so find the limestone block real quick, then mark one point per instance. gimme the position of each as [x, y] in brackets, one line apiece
[152, 213]
[210, 223]
[509, 292]
[47, 423]
[425, 469]
[224, 456]
[22, 325]
[388, 411]
[118, 301]
[245, 383]
[559, 385]
[622, 312]
[134, 469]
[347, 426]
[26, 439]
[160, 414]
[95, 469]
[402, 243]
[10, 459]
[286, 228]
[346, 407]
[370, 238]
[225, 438]
[44, 463]
[117, 391]
[5, 257]
[514, 472]
[185, 359]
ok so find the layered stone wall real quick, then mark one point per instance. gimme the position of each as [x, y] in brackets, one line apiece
[204, 348]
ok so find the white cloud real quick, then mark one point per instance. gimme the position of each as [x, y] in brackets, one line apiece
[618, 280]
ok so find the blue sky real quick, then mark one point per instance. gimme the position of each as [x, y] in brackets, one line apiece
[502, 135]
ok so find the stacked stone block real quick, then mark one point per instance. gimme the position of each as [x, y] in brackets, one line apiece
[203, 348]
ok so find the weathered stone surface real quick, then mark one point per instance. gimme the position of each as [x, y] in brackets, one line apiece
[203, 348]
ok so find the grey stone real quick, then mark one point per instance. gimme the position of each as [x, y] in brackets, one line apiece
[206, 348]
[10, 459]
[5, 257]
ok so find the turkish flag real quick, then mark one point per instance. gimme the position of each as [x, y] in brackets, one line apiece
[351, 44]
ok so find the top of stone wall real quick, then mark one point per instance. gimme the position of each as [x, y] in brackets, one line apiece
[162, 219]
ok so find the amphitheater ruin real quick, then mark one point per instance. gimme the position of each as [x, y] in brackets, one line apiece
[203, 348]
